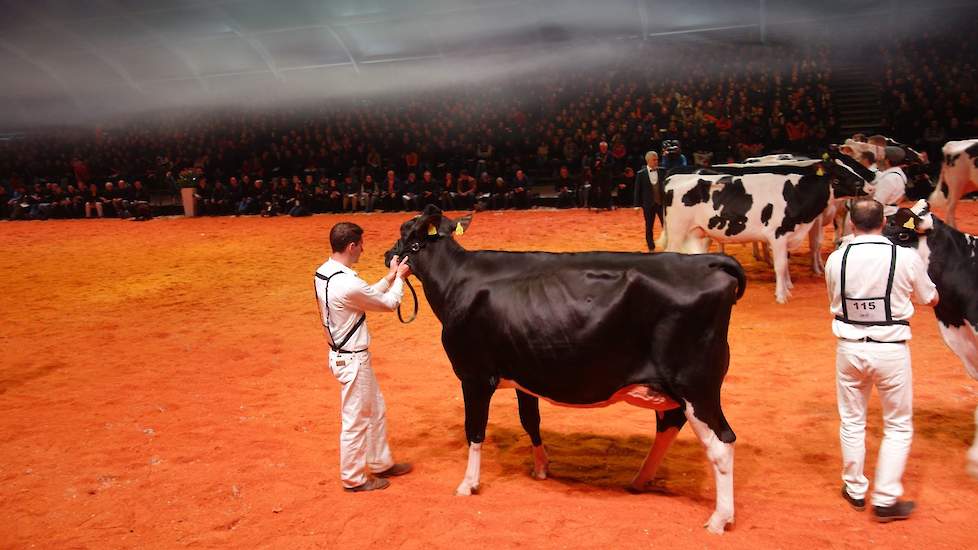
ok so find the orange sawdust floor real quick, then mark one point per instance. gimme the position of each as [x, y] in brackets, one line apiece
[164, 385]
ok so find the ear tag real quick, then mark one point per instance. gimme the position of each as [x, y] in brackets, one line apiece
[910, 224]
[458, 229]
[820, 172]
[825, 156]
[431, 230]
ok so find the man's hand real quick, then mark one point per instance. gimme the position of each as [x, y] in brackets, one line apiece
[403, 269]
[392, 272]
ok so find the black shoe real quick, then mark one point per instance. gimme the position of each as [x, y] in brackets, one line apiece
[396, 470]
[858, 504]
[901, 510]
[372, 484]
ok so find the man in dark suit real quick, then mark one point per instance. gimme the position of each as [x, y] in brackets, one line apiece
[648, 194]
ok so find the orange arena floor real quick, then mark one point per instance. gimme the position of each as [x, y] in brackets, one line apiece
[164, 385]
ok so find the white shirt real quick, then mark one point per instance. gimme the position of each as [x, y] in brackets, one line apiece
[867, 268]
[653, 175]
[349, 297]
[890, 184]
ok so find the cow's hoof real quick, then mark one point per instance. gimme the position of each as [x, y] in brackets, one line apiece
[781, 299]
[651, 486]
[972, 466]
[466, 490]
[718, 523]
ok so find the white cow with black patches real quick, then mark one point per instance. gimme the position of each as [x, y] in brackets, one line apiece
[959, 175]
[778, 209]
[952, 263]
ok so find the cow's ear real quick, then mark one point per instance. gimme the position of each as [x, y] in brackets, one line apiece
[462, 225]
[428, 222]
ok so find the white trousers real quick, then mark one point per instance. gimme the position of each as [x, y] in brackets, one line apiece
[859, 367]
[363, 437]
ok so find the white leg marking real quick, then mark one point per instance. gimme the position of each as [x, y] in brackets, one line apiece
[541, 462]
[721, 455]
[470, 483]
[973, 452]
[815, 243]
[782, 275]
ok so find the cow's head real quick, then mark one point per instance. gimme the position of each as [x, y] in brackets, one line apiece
[847, 177]
[424, 230]
[912, 157]
[908, 225]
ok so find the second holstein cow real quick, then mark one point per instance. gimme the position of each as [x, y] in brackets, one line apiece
[952, 263]
[584, 330]
[959, 175]
[773, 204]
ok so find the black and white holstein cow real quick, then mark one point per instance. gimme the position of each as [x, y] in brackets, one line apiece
[761, 249]
[952, 263]
[959, 175]
[768, 203]
[583, 330]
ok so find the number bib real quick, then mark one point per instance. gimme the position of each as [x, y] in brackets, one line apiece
[866, 310]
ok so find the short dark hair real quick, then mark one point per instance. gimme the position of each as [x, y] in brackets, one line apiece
[868, 155]
[867, 214]
[343, 234]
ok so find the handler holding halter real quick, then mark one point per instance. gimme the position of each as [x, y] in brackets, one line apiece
[343, 298]
[870, 282]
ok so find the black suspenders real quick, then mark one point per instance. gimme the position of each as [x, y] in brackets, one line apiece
[888, 311]
[332, 341]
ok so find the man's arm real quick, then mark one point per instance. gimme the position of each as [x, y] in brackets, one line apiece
[924, 289]
[370, 298]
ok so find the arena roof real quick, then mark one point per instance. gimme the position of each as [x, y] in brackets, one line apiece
[76, 60]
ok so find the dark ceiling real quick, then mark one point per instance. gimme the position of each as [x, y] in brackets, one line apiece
[78, 60]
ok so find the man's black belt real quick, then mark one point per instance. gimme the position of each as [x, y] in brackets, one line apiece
[870, 340]
[343, 351]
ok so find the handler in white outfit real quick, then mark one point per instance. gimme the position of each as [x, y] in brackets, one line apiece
[343, 300]
[870, 283]
[890, 183]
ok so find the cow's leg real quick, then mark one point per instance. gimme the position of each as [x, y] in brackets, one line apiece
[667, 426]
[952, 204]
[815, 244]
[782, 275]
[476, 395]
[972, 466]
[963, 341]
[530, 419]
[721, 455]
[839, 224]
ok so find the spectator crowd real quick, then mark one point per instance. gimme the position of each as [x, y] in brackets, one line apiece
[585, 130]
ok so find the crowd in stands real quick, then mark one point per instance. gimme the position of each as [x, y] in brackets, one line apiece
[480, 142]
[928, 91]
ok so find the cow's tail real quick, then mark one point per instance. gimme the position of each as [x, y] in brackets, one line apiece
[939, 196]
[734, 269]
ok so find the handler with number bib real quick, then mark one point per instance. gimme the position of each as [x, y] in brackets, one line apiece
[343, 297]
[870, 284]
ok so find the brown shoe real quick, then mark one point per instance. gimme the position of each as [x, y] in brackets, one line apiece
[396, 470]
[372, 484]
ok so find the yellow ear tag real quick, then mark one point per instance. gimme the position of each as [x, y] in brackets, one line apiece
[431, 230]
[820, 172]
[458, 229]
[910, 224]
[825, 156]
